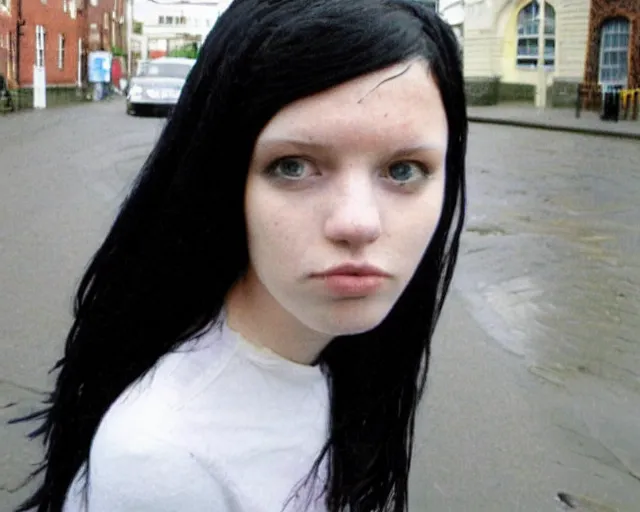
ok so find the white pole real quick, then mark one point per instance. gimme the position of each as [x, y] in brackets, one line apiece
[541, 96]
[80, 62]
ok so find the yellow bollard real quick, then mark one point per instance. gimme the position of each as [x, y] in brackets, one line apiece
[629, 100]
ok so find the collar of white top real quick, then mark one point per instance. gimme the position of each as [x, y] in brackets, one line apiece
[268, 359]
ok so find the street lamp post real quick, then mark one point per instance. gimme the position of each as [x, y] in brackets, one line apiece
[541, 89]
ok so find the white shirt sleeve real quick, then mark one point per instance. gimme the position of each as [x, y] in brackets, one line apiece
[141, 473]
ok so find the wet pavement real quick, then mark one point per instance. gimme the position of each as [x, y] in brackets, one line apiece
[560, 119]
[550, 268]
[535, 385]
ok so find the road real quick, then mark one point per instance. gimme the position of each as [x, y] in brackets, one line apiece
[534, 387]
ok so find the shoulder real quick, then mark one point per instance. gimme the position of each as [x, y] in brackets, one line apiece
[153, 413]
[135, 466]
[138, 460]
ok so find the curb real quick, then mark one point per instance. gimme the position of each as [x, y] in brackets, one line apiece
[557, 128]
[57, 106]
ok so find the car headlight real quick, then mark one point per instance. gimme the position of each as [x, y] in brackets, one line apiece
[135, 90]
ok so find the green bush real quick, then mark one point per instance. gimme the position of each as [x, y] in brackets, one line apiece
[116, 51]
[187, 52]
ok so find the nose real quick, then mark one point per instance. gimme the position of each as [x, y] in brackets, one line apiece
[354, 217]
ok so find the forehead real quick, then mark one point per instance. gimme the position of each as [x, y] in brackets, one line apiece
[401, 101]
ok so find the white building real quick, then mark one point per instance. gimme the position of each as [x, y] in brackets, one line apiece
[173, 26]
[501, 52]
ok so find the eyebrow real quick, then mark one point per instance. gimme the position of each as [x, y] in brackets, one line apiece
[316, 146]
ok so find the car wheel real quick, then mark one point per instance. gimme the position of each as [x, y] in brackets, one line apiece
[131, 110]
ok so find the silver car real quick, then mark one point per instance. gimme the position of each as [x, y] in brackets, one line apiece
[157, 84]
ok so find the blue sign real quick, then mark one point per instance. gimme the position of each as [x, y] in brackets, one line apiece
[99, 64]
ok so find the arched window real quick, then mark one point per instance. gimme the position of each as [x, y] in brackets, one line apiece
[528, 23]
[614, 52]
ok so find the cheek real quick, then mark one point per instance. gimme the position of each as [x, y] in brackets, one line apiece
[414, 224]
[276, 230]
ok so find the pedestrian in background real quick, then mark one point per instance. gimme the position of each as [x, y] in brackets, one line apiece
[253, 334]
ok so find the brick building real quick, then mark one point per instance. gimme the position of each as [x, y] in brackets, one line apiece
[7, 43]
[102, 27]
[613, 51]
[49, 38]
[57, 35]
[104, 24]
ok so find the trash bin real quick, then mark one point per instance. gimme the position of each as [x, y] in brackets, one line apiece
[611, 104]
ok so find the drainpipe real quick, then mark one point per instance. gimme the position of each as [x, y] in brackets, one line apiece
[19, 24]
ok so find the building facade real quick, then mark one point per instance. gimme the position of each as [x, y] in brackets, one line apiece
[172, 27]
[7, 28]
[613, 48]
[501, 51]
[104, 24]
[588, 43]
[46, 40]
[103, 28]
[51, 39]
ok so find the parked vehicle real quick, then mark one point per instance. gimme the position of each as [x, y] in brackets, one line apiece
[157, 84]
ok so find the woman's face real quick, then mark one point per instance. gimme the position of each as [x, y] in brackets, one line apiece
[353, 178]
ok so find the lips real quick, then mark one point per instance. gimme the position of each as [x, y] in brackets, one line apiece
[353, 270]
[353, 280]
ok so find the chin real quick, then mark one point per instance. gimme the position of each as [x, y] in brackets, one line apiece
[345, 320]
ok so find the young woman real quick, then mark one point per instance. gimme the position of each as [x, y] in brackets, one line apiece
[253, 334]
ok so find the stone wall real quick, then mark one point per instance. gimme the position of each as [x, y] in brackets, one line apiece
[491, 91]
[563, 94]
[520, 93]
[482, 91]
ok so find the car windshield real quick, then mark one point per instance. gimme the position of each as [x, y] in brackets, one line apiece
[164, 69]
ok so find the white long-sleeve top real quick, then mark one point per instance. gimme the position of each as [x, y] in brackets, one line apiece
[220, 425]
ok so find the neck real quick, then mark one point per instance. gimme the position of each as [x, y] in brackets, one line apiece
[254, 313]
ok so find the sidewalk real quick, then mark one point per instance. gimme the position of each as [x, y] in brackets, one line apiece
[557, 119]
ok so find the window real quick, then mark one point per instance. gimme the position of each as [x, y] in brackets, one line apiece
[614, 52]
[4, 4]
[12, 55]
[94, 34]
[60, 51]
[65, 5]
[94, 3]
[528, 24]
[39, 46]
[169, 20]
[160, 20]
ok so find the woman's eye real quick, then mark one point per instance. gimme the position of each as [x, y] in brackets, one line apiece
[289, 168]
[407, 172]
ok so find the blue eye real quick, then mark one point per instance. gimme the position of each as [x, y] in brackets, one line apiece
[406, 172]
[288, 168]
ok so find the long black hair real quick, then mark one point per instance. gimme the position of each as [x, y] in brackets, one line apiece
[179, 242]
